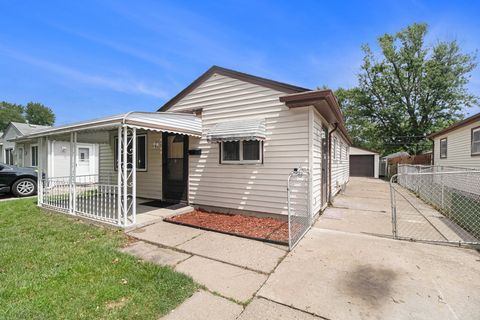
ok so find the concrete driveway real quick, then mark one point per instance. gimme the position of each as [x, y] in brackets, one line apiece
[347, 267]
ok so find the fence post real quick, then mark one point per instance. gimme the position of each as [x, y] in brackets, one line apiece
[289, 213]
[394, 206]
[443, 193]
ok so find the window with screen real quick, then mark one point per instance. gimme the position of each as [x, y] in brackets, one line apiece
[443, 148]
[83, 154]
[241, 152]
[9, 156]
[34, 154]
[476, 141]
[141, 153]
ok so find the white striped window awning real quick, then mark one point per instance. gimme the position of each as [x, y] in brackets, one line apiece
[247, 129]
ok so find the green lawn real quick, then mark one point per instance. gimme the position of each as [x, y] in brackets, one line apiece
[53, 267]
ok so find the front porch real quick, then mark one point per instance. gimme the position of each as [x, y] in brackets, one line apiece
[142, 157]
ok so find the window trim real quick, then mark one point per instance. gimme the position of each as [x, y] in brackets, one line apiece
[115, 150]
[241, 161]
[22, 148]
[440, 148]
[31, 155]
[11, 156]
[477, 154]
[89, 154]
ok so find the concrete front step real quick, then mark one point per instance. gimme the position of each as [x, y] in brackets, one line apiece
[155, 254]
[205, 306]
[261, 309]
[229, 281]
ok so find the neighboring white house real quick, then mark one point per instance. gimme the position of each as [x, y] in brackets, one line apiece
[227, 142]
[1, 146]
[458, 145]
[26, 153]
[20, 154]
[364, 163]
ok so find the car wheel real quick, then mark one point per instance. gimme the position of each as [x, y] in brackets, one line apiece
[24, 187]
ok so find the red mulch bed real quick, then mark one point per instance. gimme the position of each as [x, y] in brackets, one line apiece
[270, 229]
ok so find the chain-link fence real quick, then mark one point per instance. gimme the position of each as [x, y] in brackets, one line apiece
[299, 217]
[436, 204]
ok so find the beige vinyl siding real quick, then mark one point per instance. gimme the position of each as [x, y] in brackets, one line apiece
[317, 163]
[250, 187]
[340, 166]
[458, 148]
[149, 182]
[105, 163]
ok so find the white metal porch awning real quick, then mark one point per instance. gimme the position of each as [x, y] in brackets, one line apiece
[180, 123]
[248, 129]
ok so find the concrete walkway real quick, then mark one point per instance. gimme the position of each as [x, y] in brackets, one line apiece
[346, 267]
[232, 267]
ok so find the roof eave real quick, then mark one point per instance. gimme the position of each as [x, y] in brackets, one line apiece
[455, 126]
[276, 85]
[318, 99]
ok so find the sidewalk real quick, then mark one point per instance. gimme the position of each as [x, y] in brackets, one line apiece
[347, 267]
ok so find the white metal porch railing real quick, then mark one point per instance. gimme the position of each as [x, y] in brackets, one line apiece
[98, 197]
[90, 196]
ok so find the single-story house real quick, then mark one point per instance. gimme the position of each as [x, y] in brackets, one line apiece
[20, 154]
[458, 145]
[364, 163]
[227, 143]
[25, 153]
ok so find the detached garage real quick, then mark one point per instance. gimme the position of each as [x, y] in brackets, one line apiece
[363, 163]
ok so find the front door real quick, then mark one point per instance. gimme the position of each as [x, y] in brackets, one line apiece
[175, 167]
[324, 166]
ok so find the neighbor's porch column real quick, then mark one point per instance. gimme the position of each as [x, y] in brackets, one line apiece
[40, 181]
[73, 173]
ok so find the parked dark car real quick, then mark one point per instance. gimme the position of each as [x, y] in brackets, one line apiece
[22, 182]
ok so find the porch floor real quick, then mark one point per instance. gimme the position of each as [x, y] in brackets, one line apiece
[147, 215]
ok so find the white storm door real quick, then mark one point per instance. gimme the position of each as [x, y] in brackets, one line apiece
[84, 160]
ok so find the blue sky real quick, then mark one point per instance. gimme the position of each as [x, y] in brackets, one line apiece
[87, 59]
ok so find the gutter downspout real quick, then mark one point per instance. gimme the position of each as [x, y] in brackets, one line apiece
[330, 163]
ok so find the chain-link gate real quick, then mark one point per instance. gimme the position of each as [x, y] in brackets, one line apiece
[298, 195]
[436, 204]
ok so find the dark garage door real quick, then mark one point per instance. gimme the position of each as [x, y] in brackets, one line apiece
[362, 165]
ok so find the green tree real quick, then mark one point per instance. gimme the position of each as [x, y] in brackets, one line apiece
[37, 113]
[10, 112]
[407, 92]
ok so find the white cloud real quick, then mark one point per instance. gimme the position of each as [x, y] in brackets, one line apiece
[124, 85]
